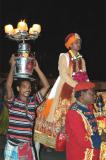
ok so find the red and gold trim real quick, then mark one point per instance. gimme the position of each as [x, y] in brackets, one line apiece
[88, 154]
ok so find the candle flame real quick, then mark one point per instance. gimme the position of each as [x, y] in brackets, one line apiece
[8, 29]
[22, 25]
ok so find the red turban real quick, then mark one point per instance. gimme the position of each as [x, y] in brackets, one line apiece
[84, 86]
[70, 39]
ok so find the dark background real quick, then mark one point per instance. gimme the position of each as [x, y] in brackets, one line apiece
[57, 19]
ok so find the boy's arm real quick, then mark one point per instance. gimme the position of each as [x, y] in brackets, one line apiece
[9, 82]
[62, 66]
[43, 79]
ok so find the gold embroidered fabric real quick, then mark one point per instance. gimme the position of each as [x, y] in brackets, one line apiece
[103, 151]
[88, 154]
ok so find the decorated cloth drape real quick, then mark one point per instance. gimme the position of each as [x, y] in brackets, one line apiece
[51, 114]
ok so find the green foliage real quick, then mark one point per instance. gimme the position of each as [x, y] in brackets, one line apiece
[4, 120]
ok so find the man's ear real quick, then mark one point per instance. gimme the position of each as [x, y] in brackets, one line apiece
[18, 88]
[82, 93]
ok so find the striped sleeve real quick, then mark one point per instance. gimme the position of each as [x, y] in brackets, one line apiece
[10, 103]
[38, 98]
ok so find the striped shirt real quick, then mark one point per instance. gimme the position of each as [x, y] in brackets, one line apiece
[21, 118]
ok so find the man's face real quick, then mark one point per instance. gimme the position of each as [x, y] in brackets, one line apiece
[88, 96]
[76, 45]
[25, 89]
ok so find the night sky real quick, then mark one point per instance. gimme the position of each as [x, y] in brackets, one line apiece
[58, 19]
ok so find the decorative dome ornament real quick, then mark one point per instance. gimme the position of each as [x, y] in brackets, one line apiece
[24, 57]
[22, 32]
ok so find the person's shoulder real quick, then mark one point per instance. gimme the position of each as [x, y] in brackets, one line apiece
[63, 54]
[38, 96]
[74, 106]
[72, 112]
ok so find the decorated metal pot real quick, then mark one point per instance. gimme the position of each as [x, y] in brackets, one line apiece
[24, 61]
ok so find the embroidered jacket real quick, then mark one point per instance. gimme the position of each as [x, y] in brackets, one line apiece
[83, 140]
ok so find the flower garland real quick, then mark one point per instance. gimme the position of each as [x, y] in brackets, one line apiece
[75, 57]
[78, 73]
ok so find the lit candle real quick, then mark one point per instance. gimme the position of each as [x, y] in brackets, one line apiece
[9, 29]
[22, 26]
[16, 30]
[36, 28]
[31, 31]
